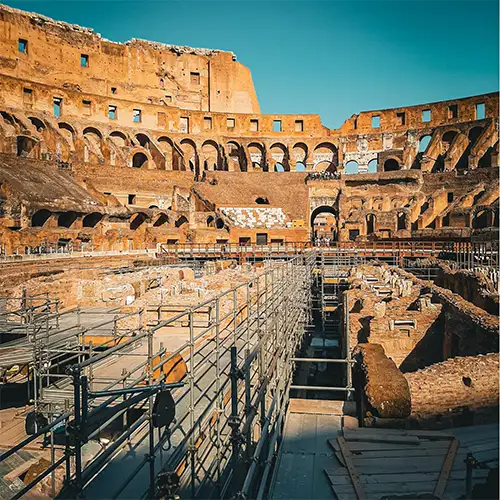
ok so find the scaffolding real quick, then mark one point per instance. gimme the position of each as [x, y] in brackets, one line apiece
[238, 349]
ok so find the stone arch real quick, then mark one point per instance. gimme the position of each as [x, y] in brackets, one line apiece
[37, 123]
[92, 131]
[279, 157]
[299, 152]
[40, 217]
[236, 157]
[190, 155]
[137, 220]
[322, 209]
[67, 219]
[423, 143]
[25, 145]
[351, 167]
[373, 166]
[401, 221]
[391, 165]
[140, 160]
[371, 222]
[170, 152]
[68, 132]
[143, 140]
[161, 220]
[483, 218]
[181, 221]
[119, 139]
[325, 157]
[257, 155]
[210, 155]
[91, 220]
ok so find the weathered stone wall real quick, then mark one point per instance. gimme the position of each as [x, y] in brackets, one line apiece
[458, 391]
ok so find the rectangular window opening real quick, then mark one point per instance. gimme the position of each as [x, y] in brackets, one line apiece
[207, 123]
[112, 112]
[426, 115]
[184, 125]
[57, 106]
[195, 78]
[376, 121]
[254, 125]
[453, 111]
[450, 197]
[401, 117]
[230, 123]
[22, 45]
[27, 96]
[480, 111]
[277, 126]
[84, 60]
[137, 116]
[87, 107]
[299, 125]
[113, 90]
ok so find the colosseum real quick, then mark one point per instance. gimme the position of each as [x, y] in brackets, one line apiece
[203, 301]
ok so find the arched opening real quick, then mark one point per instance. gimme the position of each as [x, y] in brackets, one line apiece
[91, 220]
[25, 145]
[210, 154]
[299, 153]
[37, 123]
[143, 140]
[370, 223]
[40, 217]
[300, 167]
[482, 219]
[211, 221]
[92, 131]
[279, 167]
[325, 157]
[190, 156]
[119, 138]
[66, 219]
[181, 221]
[139, 160]
[256, 155]
[372, 166]
[423, 143]
[160, 220]
[391, 165]
[401, 221]
[262, 200]
[279, 156]
[219, 223]
[236, 157]
[351, 167]
[137, 220]
[324, 224]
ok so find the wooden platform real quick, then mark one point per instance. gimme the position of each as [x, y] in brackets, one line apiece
[378, 462]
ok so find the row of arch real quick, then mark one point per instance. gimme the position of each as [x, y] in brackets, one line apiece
[66, 219]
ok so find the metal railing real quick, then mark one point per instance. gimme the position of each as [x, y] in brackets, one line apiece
[229, 407]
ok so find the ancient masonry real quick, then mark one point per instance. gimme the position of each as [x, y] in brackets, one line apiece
[277, 283]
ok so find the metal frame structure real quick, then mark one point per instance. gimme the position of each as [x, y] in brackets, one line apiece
[230, 407]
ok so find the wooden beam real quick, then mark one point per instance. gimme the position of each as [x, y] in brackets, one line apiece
[351, 469]
[446, 468]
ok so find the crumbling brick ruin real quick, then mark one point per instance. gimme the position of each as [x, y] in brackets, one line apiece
[116, 146]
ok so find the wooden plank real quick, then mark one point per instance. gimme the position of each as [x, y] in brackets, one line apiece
[315, 406]
[21, 469]
[355, 446]
[422, 434]
[446, 468]
[351, 469]
[352, 435]
[341, 477]
[416, 451]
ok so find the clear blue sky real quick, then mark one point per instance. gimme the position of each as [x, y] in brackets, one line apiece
[334, 58]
